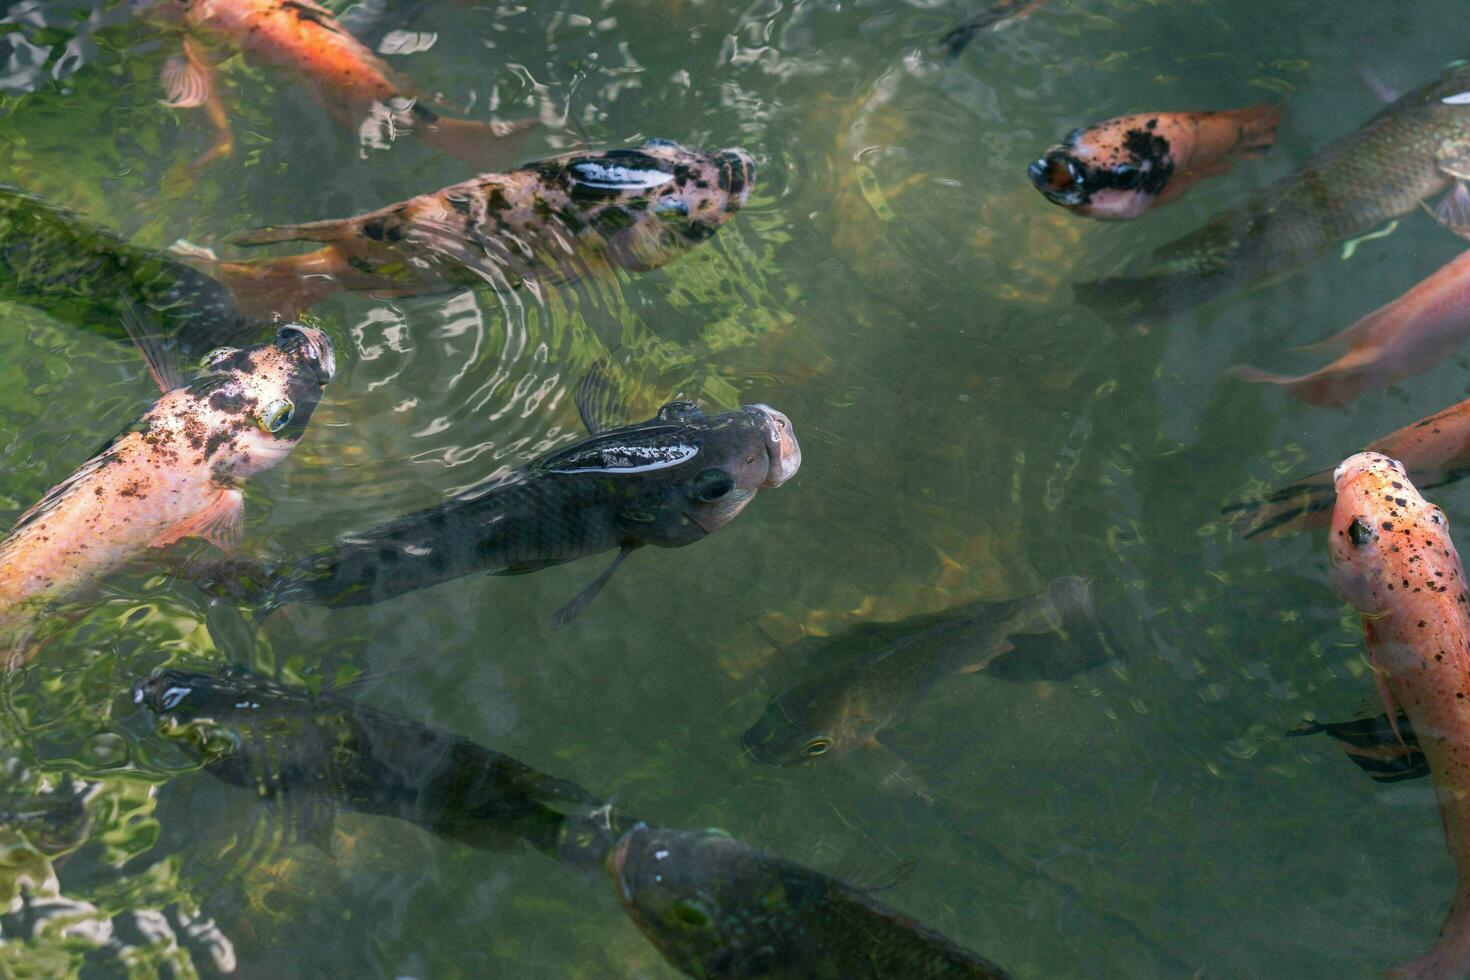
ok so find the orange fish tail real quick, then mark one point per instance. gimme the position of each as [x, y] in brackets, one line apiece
[283, 286]
[1325, 389]
[1449, 958]
[1256, 125]
[483, 145]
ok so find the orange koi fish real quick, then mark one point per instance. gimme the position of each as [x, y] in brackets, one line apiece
[1120, 168]
[1393, 559]
[1397, 341]
[173, 474]
[1435, 450]
[304, 38]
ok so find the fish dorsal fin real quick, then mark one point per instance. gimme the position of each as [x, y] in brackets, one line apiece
[157, 356]
[597, 398]
[870, 873]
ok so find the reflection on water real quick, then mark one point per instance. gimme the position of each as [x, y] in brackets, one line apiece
[895, 285]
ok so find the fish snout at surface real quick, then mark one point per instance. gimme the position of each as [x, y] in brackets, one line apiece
[313, 345]
[1061, 179]
[737, 175]
[783, 452]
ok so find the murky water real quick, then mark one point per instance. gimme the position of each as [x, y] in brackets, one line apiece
[898, 289]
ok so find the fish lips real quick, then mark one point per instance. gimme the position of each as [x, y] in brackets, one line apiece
[1061, 179]
[314, 344]
[783, 452]
[737, 175]
[617, 861]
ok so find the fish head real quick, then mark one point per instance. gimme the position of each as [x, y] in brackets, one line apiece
[251, 406]
[1381, 529]
[818, 719]
[684, 474]
[1116, 170]
[711, 905]
[184, 695]
[740, 454]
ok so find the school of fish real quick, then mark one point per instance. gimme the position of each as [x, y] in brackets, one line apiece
[240, 377]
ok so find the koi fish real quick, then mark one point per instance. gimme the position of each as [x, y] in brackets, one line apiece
[304, 38]
[324, 752]
[175, 473]
[998, 16]
[1120, 168]
[1435, 450]
[1409, 152]
[716, 908]
[669, 481]
[555, 221]
[1392, 558]
[1397, 341]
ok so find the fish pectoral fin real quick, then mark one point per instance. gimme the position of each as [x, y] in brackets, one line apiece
[188, 82]
[1453, 158]
[579, 601]
[218, 523]
[1383, 747]
[1453, 210]
[994, 652]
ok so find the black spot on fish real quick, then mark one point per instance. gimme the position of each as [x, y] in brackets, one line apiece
[232, 403]
[218, 438]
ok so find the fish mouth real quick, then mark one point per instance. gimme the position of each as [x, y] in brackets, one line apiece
[737, 174]
[1061, 179]
[617, 861]
[314, 343]
[783, 452]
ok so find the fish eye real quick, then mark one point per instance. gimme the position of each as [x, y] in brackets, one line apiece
[1127, 178]
[1359, 533]
[711, 485]
[216, 356]
[817, 746]
[692, 912]
[277, 415]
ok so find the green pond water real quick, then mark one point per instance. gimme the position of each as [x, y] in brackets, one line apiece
[899, 290]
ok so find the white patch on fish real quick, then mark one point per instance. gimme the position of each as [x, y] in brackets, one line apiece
[614, 177]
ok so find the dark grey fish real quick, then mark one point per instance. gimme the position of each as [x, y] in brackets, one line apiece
[717, 908]
[998, 15]
[328, 752]
[668, 482]
[84, 275]
[870, 678]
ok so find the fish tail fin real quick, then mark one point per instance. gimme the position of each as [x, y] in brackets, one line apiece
[1325, 389]
[1450, 955]
[1302, 505]
[485, 145]
[283, 286]
[1257, 125]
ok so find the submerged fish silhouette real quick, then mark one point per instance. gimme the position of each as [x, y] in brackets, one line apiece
[717, 908]
[326, 752]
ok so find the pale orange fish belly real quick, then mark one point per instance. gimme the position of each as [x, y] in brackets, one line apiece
[129, 501]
